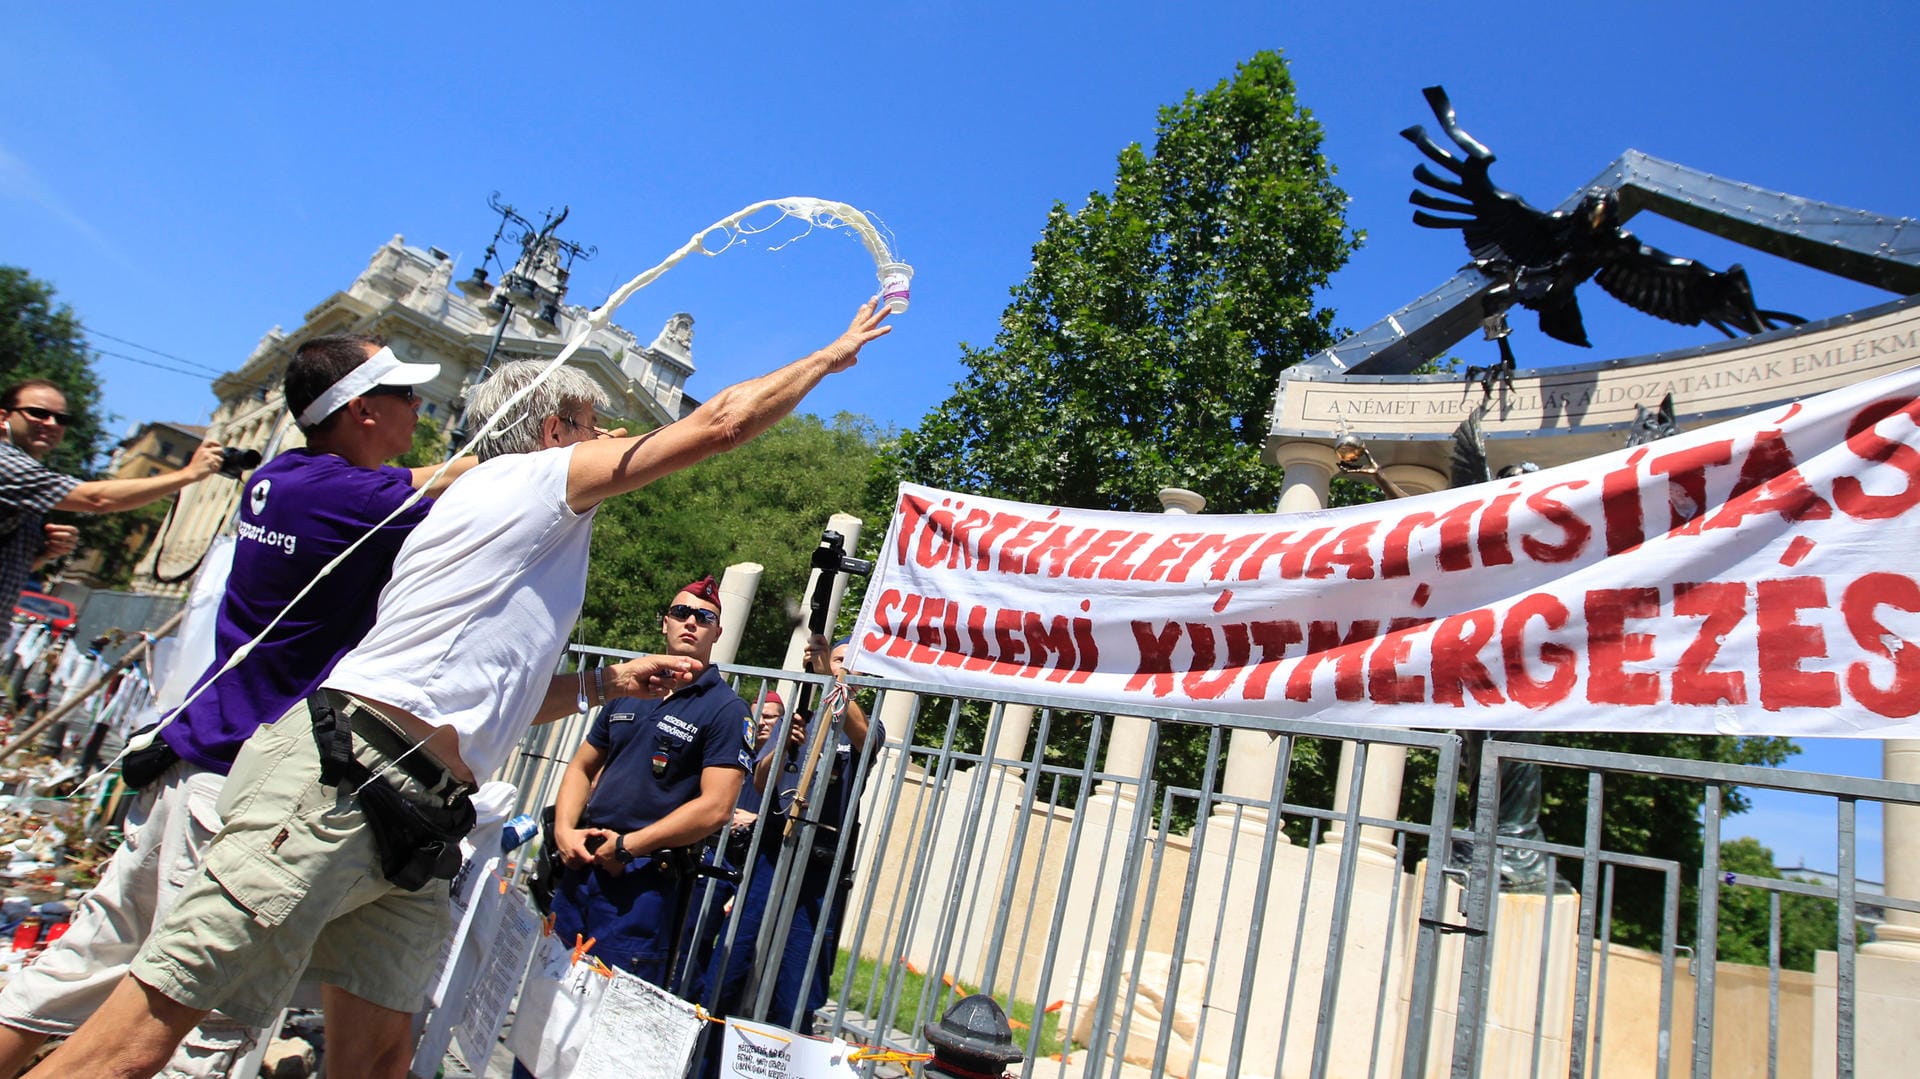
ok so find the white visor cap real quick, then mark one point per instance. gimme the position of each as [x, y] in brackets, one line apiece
[382, 368]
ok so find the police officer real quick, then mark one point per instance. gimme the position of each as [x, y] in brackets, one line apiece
[654, 777]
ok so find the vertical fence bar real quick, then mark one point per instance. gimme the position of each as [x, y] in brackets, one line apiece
[1546, 969]
[1337, 916]
[1706, 938]
[1606, 952]
[1433, 897]
[1123, 916]
[1074, 831]
[1386, 952]
[1016, 847]
[1589, 897]
[1773, 985]
[1195, 857]
[1669, 940]
[1293, 968]
[1256, 926]
[959, 885]
[1845, 985]
[1483, 875]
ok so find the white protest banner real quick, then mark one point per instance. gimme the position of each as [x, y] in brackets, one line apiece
[1753, 577]
[761, 1051]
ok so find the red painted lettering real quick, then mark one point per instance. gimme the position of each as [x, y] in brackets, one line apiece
[1784, 641]
[1456, 539]
[1900, 697]
[1722, 604]
[1522, 687]
[1610, 647]
[1155, 673]
[1869, 445]
[1559, 514]
[1457, 667]
[1274, 638]
[1385, 683]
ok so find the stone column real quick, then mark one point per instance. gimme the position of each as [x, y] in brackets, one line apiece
[1016, 722]
[1900, 853]
[738, 585]
[1305, 470]
[1386, 764]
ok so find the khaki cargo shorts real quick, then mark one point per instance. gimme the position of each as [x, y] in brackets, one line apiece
[292, 885]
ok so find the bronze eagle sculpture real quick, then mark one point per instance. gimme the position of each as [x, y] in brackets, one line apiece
[1541, 258]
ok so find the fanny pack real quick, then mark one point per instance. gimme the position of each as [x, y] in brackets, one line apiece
[141, 767]
[418, 842]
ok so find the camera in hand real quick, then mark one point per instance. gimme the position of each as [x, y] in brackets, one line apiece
[235, 461]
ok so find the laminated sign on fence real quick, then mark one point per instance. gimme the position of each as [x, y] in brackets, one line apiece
[1753, 577]
[762, 1051]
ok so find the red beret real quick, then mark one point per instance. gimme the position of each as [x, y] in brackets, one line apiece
[774, 699]
[706, 588]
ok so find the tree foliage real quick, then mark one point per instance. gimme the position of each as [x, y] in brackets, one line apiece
[1807, 925]
[1143, 349]
[764, 502]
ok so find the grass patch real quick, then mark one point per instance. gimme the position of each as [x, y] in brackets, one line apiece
[870, 987]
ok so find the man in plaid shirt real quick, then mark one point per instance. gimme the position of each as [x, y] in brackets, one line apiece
[35, 416]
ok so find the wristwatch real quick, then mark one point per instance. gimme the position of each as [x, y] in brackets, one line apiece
[620, 852]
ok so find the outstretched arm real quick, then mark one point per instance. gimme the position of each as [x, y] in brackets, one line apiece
[606, 467]
[647, 676]
[423, 476]
[112, 496]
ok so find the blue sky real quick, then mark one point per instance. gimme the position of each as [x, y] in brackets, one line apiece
[187, 181]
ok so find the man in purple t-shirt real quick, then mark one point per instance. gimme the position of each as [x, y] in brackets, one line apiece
[354, 400]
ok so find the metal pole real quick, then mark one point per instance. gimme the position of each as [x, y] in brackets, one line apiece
[457, 434]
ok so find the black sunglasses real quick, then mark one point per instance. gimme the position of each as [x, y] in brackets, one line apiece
[64, 419]
[682, 612]
[405, 393]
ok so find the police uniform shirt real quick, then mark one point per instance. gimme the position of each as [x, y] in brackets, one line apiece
[656, 751]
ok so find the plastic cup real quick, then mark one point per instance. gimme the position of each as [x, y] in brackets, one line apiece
[895, 279]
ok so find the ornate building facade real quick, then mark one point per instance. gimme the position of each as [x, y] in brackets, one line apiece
[406, 296]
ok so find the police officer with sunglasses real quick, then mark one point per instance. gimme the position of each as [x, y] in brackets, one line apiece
[654, 777]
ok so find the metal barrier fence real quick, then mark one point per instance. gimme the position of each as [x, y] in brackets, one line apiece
[1026, 848]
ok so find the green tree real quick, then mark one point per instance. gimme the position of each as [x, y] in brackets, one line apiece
[1807, 925]
[429, 446]
[1143, 349]
[764, 502]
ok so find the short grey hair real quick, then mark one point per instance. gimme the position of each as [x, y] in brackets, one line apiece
[562, 392]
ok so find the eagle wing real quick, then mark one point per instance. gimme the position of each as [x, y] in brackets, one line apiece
[1678, 290]
[1496, 223]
